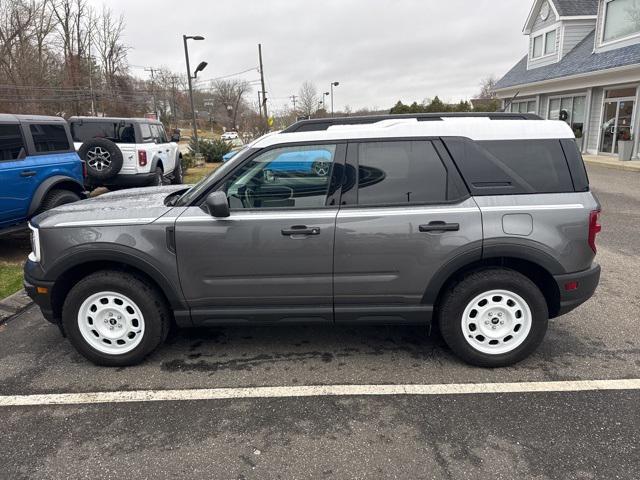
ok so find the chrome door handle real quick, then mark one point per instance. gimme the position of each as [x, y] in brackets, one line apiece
[300, 230]
[439, 227]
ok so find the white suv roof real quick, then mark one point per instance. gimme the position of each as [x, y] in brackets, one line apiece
[475, 128]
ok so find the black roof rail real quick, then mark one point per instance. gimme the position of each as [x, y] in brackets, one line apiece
[318, 124]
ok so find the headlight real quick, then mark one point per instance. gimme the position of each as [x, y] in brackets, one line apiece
[34, 256]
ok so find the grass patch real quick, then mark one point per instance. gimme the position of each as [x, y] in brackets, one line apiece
[195, 174]
[10, 279]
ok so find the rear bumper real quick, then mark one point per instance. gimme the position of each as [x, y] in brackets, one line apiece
[39, 290]
[587, 282]
[133, 180]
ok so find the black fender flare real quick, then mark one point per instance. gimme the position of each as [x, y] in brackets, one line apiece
[526, 250]
[122, 254]
[46, 186]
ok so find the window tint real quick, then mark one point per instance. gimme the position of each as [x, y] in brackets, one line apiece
[145, 131]
[534, 166]
[11, 142]
[118, 132]
[49, 138]
[289, 177]
[161, 134]
[402, 172]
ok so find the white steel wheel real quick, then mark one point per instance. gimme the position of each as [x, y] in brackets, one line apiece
[496, 322]
[98, 158]
[111, 323]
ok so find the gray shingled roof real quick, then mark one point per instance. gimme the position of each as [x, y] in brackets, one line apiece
[579, 60]
[571, 8]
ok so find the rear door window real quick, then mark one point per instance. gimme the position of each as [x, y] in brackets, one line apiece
[11, 142]
[117, 132]
[400, 173]
[49, 138]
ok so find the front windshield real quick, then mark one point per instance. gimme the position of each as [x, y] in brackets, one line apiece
[213, 177]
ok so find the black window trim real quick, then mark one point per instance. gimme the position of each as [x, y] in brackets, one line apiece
[349, 198]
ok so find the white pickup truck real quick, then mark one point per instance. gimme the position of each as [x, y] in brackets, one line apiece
[126, 152]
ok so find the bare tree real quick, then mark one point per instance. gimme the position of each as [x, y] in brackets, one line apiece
[487, 88]
[308, 99]
[112, 52]
[228, 100]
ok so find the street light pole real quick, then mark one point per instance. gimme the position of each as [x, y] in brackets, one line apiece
[194, 124]
[333, 84]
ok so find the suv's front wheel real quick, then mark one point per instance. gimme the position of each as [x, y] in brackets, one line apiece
[494, 318]
[114, 318]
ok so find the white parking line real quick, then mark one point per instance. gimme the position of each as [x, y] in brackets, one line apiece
[314, 391]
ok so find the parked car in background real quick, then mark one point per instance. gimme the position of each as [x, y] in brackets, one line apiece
[229, 135]
[483, 224]
[126, 152]
[39, 168]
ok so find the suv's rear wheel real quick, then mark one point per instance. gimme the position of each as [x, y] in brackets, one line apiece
[177, 173]
[114, 318]
[158, 178]
[493, 318]
[56, 198]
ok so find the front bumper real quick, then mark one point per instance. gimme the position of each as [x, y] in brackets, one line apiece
[586, 283]
[39, 290]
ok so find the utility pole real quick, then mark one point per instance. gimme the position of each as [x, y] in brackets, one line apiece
[293, 99]
[194, 122]
[264, 93]
[259, 105]
[153, 90]
[93, 105]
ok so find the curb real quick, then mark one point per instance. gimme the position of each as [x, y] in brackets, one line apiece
[631, 166]
[13, 304]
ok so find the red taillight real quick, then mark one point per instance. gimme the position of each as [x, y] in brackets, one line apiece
[594, 228]
[142, 158]
[571, 286]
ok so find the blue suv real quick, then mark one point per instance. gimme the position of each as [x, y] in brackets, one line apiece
[39, 168]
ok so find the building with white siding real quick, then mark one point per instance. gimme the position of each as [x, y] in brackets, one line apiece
[583, 66]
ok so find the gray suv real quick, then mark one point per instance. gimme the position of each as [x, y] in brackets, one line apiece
[483, 224]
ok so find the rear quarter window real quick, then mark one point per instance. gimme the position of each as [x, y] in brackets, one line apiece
[49, 138]
[512, 166]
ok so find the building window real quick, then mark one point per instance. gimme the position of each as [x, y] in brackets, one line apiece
[545, 44]
[572, 110]
[621, 19]
[537, 46]
[525, 106]
[550, 42]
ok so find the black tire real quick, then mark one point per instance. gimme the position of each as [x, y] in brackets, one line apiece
[55, 198]
[158, 178]
[103, 158]
[147, 298]
[177, 173]
[456, 300]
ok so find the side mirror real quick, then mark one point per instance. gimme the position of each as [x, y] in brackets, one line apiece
[175, 137]
[217, 205]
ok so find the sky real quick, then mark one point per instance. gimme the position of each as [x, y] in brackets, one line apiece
[379, 51]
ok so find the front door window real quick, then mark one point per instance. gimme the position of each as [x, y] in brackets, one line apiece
[289, 177]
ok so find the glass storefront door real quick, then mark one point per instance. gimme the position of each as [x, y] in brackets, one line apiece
[617, 120]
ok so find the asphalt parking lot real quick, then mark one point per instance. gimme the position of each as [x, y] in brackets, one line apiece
[542, 435]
